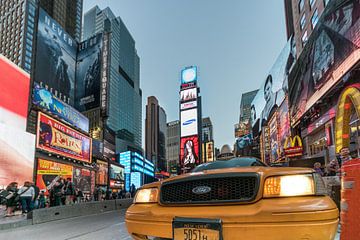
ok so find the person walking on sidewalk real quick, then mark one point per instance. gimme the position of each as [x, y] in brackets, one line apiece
[11, 203]
[69, 192]
[57, 192]
[27, 194]
[36, 197]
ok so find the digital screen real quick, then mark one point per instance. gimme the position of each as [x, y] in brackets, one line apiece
[116, 172]
[274, 142]
[188, 75]
[189, 153]
[187, 105]
[102, 173]
[188, 94]
[135, 178]
[284, 123]
[125, 160]
[189, 122]
[209, 149]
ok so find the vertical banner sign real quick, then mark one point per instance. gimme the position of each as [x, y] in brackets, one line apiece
[105, 74]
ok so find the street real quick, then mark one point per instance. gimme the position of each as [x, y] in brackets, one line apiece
[106, 226]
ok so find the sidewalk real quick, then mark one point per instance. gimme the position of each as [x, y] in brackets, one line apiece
[18, 220]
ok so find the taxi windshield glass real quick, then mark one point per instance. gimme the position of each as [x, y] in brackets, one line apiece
[232, 163]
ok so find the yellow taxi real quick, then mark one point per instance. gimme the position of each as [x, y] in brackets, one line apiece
[241, 198]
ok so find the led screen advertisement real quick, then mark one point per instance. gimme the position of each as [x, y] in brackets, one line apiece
[48, 172]
[274, 143]
[55, 137]
[189, 153]
[187, 105]
[116, 172]
[188, 75]
[284, 123]
[88, 74]
[209, 147]
[331, 51]
[102, 173]
[244, 141]
[188, 94]
[17, 147]
[189, 122]
[46, 100]
[55, 59]
[272, 91]
[82, 179]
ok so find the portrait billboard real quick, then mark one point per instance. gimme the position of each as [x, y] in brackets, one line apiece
[55, 137]
[273, 90]
[189, 122]
[117, 172]
[244, 141]
[331, 51]
[46, 100]
[82, 179]
[48, 172]
[284, 123]
[274, 143]
[102, 173]
[55, 59]
[88, 73]
[188, 94]
[189, 153]
[209, 151]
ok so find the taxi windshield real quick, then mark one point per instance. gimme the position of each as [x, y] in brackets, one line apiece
[232, 163]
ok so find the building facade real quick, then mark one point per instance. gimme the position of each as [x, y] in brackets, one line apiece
[207, 138]
[173, 146]
[155, 134]
[124, 96]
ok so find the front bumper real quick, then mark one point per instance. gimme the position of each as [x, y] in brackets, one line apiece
[302, 218]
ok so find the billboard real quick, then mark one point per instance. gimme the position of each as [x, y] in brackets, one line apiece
[188, 94]
[88, 73]
[284, 123]
[136, 179]
[187, 105]
[209, 151]
[274, 143]
[102, 173]
[331, 51]
[117, 172]
[188, 75]
[189, 153]
[272, 92]
[17, 147]
[55, 59]
[46, 100]
[244, 141]
[189, 122]
[55, 137]
[48, 172]
[82, 179]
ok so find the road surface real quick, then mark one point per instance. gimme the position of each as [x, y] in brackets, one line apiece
[104, 226]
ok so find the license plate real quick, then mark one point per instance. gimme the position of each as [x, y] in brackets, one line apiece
[196, 229]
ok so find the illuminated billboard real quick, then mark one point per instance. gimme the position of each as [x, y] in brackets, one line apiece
[117, 172]
[82, 179]
[188, 94]
[88, 73]
[55, 137]
[102, 173]
[272, 92]
[187, 105]
[55, 59]
[274, 142]
[46, 100]
[135, 178]
[189, 74]
[209, 147]
[284, 123]
[244, 141]
[331, 51]
[189, 122]
[189, 153]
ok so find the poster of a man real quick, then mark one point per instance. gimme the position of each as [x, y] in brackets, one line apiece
[270, 99]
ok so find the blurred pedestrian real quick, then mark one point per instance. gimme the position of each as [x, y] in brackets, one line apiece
[345, 155]
[132, 190]
[69, 190]
[27, 194]
[36, 197]
[79, 196]
[127, 195]
[317, 168]
[114, 195]
[96, 193]
[42, 199]
[57, 191]
[11, 203]
[332, 168]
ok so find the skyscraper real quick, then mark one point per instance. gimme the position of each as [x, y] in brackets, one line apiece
[245, 105]
[68, 13]
[124, 93]
[155, 134]
[173, 146]
[207, 140]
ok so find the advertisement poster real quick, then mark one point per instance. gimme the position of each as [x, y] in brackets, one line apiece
[88, 74]
[46, 100]
[188, 94]
[82, 179]
[189, 153]
[272, 91]
[284, 123]
[116, 172]
[209, 151]
[55, 59]
[55, 137]
[274, 143]
[266, 144]
[244, 141]
[331, 51]
[189, 122]
[102, 173]
[187, 105]
[48, 172]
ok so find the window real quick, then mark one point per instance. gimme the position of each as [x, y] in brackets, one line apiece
[326, 2]
[301, 5]
[311, 3]
[302, 22]
[314, 19]
[304, 38]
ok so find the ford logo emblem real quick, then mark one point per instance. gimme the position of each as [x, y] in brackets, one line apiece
[201, 189]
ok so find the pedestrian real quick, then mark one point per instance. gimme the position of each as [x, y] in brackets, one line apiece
[317, 168]
[11, 203]
[132, 190]
[79, 196]
[36, 200]
[57, 191]
[113, 195]
[332, 168]
[27, 194]
[127, 195]
[120, 194]
[345, 155]
[69, 190]
[42, 199]
[96, 193]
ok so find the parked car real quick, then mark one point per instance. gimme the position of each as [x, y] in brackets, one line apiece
[241, 198]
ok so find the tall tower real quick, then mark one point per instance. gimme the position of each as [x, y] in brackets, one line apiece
[190, 120]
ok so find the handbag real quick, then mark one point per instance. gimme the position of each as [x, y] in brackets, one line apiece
[17, 197]
[10, 195]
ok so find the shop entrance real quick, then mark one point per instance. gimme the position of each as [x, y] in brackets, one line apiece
[347, 135]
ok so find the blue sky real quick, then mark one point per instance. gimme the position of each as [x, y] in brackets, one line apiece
[234, 43]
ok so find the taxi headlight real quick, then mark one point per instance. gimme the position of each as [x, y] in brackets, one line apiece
[147, 195]
[288, 186]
